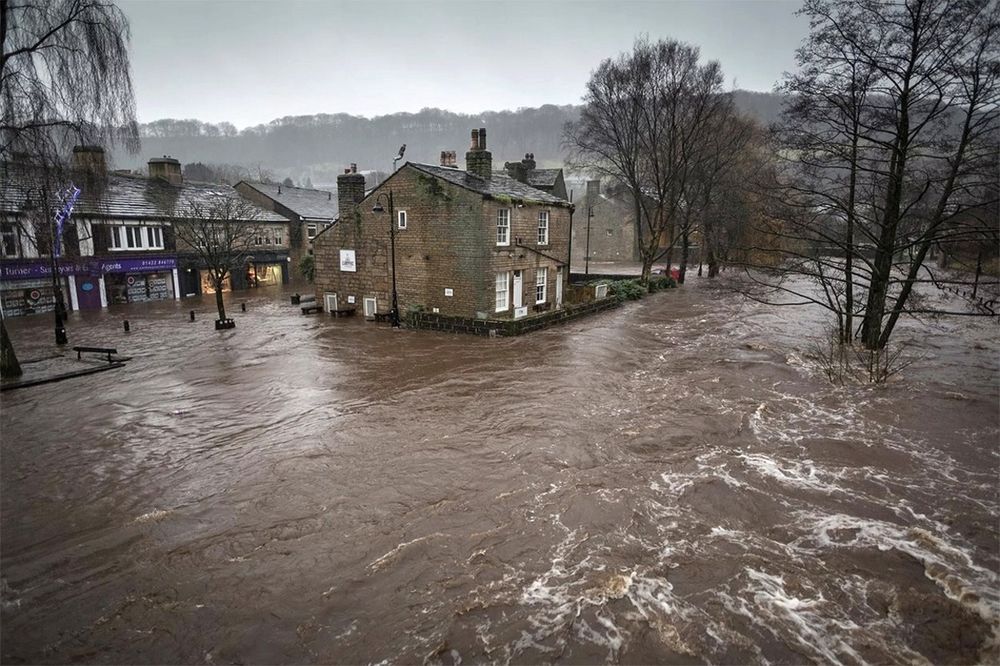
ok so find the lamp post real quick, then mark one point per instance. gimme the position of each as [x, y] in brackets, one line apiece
[394, 313]
[59, 306]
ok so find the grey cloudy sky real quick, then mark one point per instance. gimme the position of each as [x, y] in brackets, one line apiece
[251, 62]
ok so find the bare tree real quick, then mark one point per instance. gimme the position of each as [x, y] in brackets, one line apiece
[65, 79]
[888, 142]
[221, 232]
[646, 122]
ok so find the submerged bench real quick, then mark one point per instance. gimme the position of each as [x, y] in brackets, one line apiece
[96, 350]
[311, 309]
[342, 312]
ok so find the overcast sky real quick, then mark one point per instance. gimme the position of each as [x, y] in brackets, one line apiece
[250, 62]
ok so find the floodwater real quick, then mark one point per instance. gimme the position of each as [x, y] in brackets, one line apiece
[672, 481]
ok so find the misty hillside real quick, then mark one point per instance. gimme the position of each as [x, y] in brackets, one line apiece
[318, 147]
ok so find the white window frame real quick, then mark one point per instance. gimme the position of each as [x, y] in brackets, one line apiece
[503, 225]
[373, 300]
[311, 230]
[543, 227]
[130, 237]
[401, 219]
[541, 285]
[502, 292]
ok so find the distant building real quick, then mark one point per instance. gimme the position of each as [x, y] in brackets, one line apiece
[309, 211]
[118, 246]
[477, 243]
[605, 222]
[550, 181]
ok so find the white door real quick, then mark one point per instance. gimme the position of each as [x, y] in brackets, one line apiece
[518, 291]
[371, 305]
[559, 274]
[331, 302]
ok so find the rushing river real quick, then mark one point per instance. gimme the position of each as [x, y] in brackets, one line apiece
[672, 482]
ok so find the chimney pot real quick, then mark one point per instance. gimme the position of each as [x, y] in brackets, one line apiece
[354, 167]
[475, 140]
[482, 138]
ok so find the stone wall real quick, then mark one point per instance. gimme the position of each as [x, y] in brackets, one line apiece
[506, 327]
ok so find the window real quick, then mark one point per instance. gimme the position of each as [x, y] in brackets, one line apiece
[503, 227]
[311, 231]
[543, 227]
[135, 237]
[277, 238]
[154, 238]
[402, 219]
[503, 287]
[540, 276]
[8, 239]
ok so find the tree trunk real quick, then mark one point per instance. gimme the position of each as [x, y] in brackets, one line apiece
[979, 272]
[218, 300]
[685, 251]
[713, 263]
[9, 366]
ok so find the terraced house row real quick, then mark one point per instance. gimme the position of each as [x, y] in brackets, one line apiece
[119, 245]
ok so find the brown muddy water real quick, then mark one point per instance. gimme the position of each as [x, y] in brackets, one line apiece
[669, 482]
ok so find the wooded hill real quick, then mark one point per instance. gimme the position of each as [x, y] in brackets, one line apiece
[318, 147]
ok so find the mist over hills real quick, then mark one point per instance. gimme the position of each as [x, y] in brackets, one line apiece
[319, 146]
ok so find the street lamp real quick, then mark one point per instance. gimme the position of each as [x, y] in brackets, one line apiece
[57, 295]
[394, 313]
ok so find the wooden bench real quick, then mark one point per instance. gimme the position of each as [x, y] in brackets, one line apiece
[96, 350]
[312, 309]
[342, 312]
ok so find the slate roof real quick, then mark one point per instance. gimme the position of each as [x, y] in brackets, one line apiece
[309, 204]
[543, 177]
[125, 196]
[499, 186]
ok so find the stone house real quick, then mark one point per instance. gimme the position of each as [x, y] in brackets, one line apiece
[119, 245]
[605, 226]
[476, 243]
[308, 211]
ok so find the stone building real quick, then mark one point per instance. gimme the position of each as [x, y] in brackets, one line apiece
[474, 243]
[308, 211]
[605, 225]
[118, 245]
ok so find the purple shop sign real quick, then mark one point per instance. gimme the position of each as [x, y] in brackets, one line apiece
[42, 268]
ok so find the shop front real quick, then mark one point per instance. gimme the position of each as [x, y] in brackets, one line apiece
[86, 282]
[26, 287]
[133, 280]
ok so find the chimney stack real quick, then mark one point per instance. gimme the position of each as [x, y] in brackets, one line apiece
[479, 161]
[449, 159]
[529, 161]
[166, 168]
[90, 160]
[350, 190]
